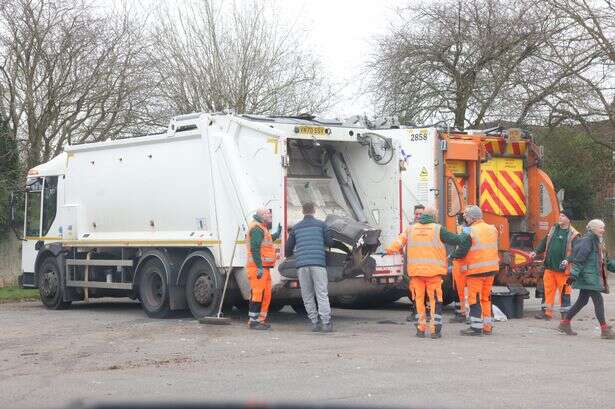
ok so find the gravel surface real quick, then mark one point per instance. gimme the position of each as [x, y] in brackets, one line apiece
[110, 351]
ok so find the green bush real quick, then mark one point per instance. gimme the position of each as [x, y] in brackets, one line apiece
[9, 175]
[581, 167]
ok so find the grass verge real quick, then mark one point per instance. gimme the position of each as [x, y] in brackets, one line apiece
[12, 294]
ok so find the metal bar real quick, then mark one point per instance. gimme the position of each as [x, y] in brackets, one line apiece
[81, 262]
[87, 276]
[99, 284]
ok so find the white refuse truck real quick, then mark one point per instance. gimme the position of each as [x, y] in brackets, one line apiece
[157, 217]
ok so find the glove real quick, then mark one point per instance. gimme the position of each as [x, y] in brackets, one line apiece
[533, 255]
[563, 265]
[466, 230]
[259, 273]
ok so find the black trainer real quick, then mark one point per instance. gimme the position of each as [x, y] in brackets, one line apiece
[327, 327]
[258, 325]
[471, 332]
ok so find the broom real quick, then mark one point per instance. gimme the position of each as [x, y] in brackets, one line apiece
[218, 320]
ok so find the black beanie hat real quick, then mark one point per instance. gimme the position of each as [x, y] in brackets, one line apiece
[568, 213]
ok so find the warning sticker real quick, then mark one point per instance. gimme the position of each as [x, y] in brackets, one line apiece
[423, 175]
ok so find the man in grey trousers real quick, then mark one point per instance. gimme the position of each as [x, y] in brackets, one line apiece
[307, 240]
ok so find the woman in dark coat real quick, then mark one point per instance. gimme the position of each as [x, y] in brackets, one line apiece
[589, 266]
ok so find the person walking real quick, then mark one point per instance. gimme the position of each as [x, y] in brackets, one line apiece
[307, 240]
[589, 267]
[480, 254]
[260, 259]
[557, 249]
[423, 243]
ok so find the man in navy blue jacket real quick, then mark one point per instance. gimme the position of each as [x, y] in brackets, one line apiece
[307, 240]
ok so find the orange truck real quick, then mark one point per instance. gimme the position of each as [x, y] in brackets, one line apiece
[498, 170]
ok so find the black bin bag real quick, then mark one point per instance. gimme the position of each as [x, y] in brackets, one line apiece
[350, 255]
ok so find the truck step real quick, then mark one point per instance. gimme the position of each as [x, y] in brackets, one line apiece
[84, 262]
[99, 284]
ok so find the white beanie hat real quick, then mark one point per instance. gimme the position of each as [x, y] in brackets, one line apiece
[594, 224]
[473, 213]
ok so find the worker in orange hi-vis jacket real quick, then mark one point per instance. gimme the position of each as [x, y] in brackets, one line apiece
[426, 265]
[481, 264]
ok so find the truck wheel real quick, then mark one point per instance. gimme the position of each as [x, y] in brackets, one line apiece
[153, 289]
[203, 288]
[50, 285]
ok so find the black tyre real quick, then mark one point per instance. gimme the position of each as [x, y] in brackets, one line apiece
[50, 285]
[204, 285]
[154, 289]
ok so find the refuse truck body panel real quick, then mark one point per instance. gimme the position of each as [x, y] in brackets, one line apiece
[157, 217]
[500, 171]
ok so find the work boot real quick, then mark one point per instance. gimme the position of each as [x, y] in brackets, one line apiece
[471, 332]
[457, 319]
[327, 327]
[420, 334]
[316, 326]
[259, 325]
[487, 331]
[564, 327]
[437, 333]
[606, 333]
[542, 316]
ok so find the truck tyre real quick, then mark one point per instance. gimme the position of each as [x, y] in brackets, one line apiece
[50, 286]
[204, 288]
[154, 289]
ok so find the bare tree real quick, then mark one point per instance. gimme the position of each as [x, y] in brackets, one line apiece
[472, 61]
[68, 73]
[592, 106]
[211, 56]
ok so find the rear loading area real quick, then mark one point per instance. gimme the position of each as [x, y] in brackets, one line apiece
[343, 181]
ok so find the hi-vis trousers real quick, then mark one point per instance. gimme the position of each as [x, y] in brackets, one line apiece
[433, 287]
[260, 296]
[479, 298]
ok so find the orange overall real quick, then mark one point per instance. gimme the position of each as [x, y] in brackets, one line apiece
[459, 279]
[260, 297]
[482, 263]
[426, 258]
[555, 281]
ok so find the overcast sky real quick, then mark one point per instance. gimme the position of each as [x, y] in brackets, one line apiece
[341, 33]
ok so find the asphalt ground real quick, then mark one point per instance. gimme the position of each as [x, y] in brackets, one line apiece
[110, 351]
